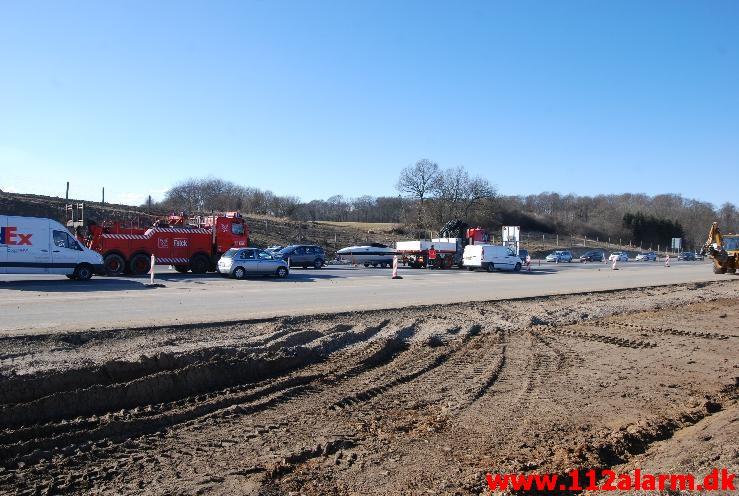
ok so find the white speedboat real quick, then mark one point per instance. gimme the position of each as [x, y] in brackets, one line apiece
[374, 254]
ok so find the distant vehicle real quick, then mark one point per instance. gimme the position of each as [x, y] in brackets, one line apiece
[687, 256]
[620, 256]
[649, 256]
[592, 256]
[559, 256]
[490, 257]
[303, 256]
[374, 254]
[523, 254]
[33, 245]
[241, 262]
[698, 255]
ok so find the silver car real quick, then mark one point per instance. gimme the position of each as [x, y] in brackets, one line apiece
[241, 262]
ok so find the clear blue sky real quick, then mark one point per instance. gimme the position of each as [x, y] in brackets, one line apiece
[315, 98]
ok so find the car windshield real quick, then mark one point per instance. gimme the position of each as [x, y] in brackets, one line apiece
[230, 253]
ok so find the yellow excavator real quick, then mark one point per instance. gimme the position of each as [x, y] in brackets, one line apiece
[723, 249]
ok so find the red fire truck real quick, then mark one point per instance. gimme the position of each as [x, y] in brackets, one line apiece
[187, 243]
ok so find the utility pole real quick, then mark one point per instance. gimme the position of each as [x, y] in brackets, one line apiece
[66, 195]
[103, 195]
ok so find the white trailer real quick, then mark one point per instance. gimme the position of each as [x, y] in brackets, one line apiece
[415, 253]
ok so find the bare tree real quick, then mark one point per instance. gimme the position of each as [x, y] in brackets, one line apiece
[418, 181]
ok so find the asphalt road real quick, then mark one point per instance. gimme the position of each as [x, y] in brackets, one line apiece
[52, 303]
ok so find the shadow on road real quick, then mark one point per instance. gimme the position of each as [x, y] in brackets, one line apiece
[67, 286]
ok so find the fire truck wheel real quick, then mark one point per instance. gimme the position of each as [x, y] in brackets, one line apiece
[281, 272]
[140, 264]
[239, 273]
[199, 264]
[114, 264]
[83, 272]
[181, 268]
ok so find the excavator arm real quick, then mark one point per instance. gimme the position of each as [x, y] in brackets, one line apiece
[722, 261]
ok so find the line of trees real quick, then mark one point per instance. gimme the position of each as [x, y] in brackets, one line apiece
[429, 196]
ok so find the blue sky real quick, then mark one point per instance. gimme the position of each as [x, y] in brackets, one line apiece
[315, 98]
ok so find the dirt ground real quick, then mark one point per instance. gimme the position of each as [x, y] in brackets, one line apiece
[425, 400]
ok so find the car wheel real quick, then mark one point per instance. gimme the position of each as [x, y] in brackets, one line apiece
[470, 269]
[239, 273]
[491, 267]
[318, 264]
[71, 277]
[83, 272]
[281, 272]
[366, 265]
[517, 268]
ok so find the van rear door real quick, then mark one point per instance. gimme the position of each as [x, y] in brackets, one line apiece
[3, 246]
[27, 244]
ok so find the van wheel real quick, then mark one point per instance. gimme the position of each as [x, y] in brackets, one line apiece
[491, 267]
[140, 264]
[239, 273]
[281, 272]
[517, 268]
[114, 264]
[83, 272]
[199, 264]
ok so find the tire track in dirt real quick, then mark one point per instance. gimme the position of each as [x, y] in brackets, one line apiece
[160, 415]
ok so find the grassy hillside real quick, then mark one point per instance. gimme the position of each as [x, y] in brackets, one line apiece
[267, 231]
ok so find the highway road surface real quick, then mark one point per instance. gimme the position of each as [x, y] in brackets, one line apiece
[34, 304]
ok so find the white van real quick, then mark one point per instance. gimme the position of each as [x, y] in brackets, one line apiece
[32, 245]
[490, 257]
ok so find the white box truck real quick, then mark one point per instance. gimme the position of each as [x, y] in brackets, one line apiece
[33, 245]
[490, 257]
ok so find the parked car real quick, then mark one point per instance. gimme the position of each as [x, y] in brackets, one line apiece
[559, 256]
[592, 256]
[620, 256]
[649, 256]
[303, 255]
[490, 257]
[688, 256]
[273, 248]
[698, 255]
[241, 262]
